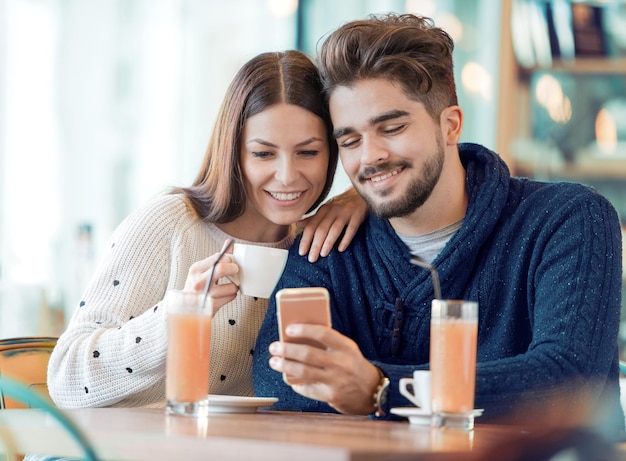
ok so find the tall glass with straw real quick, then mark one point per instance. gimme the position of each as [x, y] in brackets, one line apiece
[453, 344]
[189, 316]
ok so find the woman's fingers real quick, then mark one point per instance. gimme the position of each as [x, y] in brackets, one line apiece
[201, 270]
[340, 216]
[223, 294]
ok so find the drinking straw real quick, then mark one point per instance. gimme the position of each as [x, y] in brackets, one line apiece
[207, 286]
[417, 261]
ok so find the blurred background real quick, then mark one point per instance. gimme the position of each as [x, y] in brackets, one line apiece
[105, 103]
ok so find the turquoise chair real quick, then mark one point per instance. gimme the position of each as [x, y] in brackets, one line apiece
[25, 360]
[33, 399]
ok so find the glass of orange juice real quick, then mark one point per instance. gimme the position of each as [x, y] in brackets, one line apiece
[189, 317]
[453, 339]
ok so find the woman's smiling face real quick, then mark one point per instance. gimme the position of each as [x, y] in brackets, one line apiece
[284, 159]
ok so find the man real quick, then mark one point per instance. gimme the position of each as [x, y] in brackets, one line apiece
[542, 260]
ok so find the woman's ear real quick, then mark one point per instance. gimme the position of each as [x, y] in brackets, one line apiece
[452, 124]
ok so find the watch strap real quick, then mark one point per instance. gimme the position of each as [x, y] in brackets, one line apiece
[380, 395]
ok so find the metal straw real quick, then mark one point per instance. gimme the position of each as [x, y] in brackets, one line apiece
[417, 261]
[207, 286]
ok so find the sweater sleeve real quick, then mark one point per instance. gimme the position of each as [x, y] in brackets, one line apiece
[573, 299]
[113, 350]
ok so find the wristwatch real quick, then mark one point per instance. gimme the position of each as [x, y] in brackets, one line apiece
[380, 396]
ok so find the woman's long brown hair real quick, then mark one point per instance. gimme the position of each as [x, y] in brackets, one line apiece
[218, 193]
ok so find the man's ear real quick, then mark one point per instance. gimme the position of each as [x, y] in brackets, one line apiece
[452, 124]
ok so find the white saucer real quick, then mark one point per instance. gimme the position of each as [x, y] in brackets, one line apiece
[237, 404]
[420, 416]
[416, 415]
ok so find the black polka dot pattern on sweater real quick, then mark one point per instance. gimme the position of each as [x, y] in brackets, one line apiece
[138, 339]
[223, 378]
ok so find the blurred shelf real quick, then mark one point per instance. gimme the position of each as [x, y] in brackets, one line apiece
[598, 65]
[515, 110]
[603, 169]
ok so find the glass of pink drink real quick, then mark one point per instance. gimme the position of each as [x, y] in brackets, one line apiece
[188, 353]
[453, 338]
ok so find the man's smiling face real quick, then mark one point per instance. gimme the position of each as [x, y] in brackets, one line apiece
[391, 148]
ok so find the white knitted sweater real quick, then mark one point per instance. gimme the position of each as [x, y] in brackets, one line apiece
[113, 351]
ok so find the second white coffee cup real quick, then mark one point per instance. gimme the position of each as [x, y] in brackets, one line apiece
[260, 268]
[417, 389]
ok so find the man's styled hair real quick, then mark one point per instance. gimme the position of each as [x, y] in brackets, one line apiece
[406, 49]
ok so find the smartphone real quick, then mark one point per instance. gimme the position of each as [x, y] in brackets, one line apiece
[301, 305]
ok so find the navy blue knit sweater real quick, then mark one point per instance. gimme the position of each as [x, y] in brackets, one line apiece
[543, 260]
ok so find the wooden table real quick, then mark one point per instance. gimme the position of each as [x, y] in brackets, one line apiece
[149, 434]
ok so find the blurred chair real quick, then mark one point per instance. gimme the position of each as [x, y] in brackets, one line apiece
[25, 360]
[33, 399]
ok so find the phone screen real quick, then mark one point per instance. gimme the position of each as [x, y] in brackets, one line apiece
[302, 305]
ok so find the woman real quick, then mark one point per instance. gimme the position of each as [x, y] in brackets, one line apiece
[271, 159]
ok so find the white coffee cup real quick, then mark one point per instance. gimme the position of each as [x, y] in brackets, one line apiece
[260, 268]
[420, 390]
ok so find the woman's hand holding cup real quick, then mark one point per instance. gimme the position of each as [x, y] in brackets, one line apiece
[222, 290]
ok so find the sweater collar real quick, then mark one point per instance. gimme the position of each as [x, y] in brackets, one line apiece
[487, 182]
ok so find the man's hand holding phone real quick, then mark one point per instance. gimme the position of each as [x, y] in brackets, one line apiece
[317, 361]
[302, 306]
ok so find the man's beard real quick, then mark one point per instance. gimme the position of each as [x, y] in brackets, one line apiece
[417, 192]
